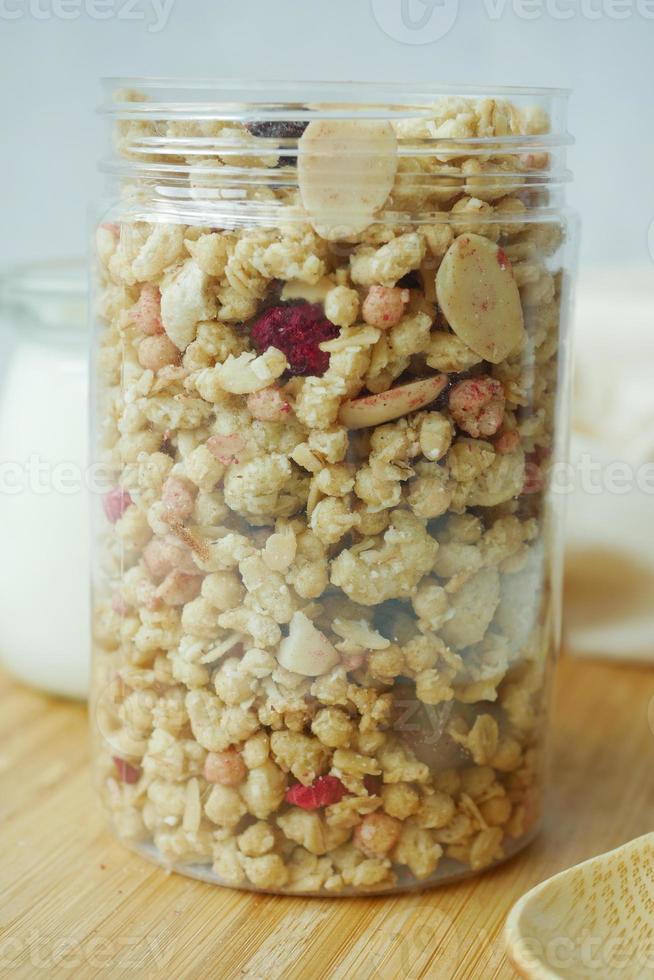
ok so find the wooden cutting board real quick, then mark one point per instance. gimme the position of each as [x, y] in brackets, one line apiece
[74, 903]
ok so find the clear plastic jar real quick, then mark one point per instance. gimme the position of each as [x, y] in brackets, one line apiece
[331, 375]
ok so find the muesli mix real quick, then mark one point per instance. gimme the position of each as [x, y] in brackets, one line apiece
[322, 618]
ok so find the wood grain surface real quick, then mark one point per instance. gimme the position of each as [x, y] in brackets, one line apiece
[75, 903]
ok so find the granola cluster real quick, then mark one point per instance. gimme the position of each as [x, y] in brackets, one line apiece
[322, 618]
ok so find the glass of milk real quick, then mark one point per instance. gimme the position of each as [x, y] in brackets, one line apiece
[43, 477]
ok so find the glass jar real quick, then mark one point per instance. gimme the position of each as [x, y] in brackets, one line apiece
[331, 384]
[43, 476]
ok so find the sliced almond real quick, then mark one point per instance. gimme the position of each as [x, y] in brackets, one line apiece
[248, 373]
[306, 650]
[477, 293]
[595, 919]
[360, 413]
[346, 170]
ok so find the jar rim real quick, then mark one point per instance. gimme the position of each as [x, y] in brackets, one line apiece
[205, 146]
[173, 102]
[316, 86]
[171, 99]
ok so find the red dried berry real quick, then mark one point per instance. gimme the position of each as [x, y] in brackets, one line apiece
[534, 471]
[297, 331]
[126, 772]
[323, 791]
[533, 482]
[115, 502]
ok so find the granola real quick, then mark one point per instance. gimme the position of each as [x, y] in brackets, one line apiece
[322, 616]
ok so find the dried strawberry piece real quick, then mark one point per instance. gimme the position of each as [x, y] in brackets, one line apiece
[126, 772]
[297, 331]
[323, 791]
[115, 502]
[534, 470]
[533, 482]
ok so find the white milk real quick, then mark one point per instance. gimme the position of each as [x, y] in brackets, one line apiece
[44, 564]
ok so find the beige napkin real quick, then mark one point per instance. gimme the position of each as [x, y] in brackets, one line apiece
[609, 586]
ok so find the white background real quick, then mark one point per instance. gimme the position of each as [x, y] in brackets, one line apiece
[603, 50]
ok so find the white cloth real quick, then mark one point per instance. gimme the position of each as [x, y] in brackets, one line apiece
[609, 607]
